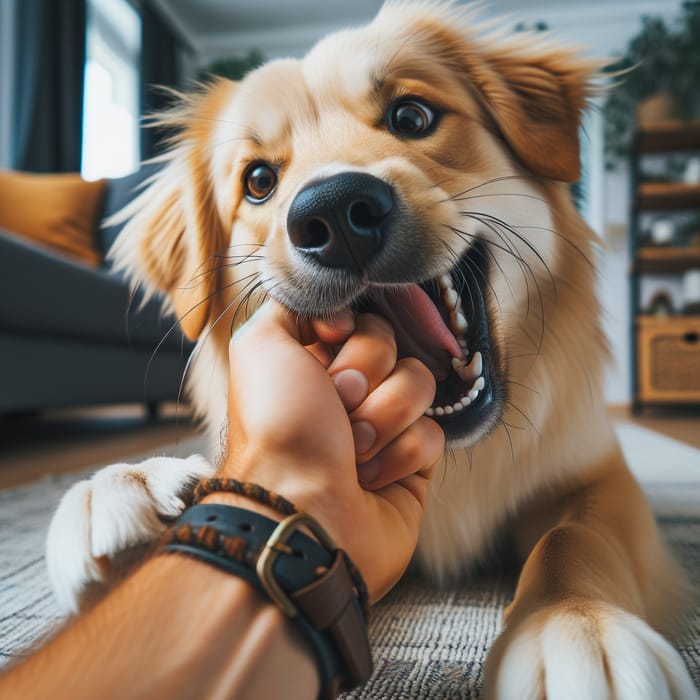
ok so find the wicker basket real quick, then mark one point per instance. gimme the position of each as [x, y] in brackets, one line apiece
[669, 359]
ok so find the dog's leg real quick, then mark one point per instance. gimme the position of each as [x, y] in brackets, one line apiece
[593, 594]
[105, 524]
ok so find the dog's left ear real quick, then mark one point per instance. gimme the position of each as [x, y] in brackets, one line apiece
[536, 100]
[174, 233]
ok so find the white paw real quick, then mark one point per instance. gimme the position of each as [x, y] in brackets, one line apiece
[120, 508]
[586, 651]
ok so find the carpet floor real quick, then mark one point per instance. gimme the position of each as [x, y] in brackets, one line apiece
[428, 642]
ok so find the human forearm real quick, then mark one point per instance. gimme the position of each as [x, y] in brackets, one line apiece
[177, 628]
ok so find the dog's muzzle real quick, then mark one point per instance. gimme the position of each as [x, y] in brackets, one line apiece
[342, 221]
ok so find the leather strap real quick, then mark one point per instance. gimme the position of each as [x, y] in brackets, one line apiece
[330, 605]
[315, 580]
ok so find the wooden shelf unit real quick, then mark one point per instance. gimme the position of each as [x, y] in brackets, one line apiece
[665, 350]
[667, 196]
[669, 260]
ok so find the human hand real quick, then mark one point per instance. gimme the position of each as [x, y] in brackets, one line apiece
[310, 426]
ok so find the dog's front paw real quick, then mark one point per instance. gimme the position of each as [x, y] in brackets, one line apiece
[102, 524]
[584, 650]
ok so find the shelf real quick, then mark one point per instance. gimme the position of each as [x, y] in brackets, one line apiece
[668, 260]
[667, 195]
[669, 135]
[678, 321]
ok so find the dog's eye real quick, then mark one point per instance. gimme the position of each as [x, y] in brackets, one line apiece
[259, 182]
[411, 118]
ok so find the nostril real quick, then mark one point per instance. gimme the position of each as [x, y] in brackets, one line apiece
[361, 216]
[316, 235]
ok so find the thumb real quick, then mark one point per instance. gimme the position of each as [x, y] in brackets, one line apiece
[270, 318]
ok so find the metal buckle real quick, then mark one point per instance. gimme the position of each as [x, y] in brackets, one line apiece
[276, 545]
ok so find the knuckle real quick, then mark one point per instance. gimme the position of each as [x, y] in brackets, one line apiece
[420, 374]
[432, 438]
[379, 326]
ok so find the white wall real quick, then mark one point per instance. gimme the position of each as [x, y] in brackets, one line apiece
[602, 28]
[7, 67]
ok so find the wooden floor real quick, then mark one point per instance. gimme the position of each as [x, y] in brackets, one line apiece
[57, 442]
[64, 441]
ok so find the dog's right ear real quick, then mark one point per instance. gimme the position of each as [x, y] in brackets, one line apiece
[174, 233]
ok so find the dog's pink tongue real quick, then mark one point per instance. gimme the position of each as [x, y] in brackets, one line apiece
[418, 325]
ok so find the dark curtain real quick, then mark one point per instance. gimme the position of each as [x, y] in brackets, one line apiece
[49, 77]
[159, 68]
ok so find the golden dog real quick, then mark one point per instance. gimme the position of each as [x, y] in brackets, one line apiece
[419, 169]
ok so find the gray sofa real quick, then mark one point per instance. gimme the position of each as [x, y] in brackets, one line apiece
[71, 335]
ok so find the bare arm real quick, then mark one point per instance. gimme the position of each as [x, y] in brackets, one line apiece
[178, 628]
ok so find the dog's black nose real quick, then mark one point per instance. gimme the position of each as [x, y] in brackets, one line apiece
[342, 221]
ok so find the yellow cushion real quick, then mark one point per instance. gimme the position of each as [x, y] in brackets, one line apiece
[59, 211]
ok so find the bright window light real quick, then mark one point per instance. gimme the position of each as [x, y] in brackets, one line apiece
[111, 97]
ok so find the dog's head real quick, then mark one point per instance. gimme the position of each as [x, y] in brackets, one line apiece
[407, 167]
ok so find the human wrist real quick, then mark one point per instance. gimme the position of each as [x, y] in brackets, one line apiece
[294, 562]
[226, 498]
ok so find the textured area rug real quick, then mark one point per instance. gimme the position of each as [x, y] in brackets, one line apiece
[428, 642]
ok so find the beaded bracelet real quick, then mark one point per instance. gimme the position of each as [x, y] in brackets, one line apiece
[255, 492]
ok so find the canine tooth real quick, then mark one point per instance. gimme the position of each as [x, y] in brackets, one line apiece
[460, 322]
[465, 401]
[458, 363]
[449, 410]
[474, 368]
[439, 411]
[473, 394]
[479, 384]
[430, 412]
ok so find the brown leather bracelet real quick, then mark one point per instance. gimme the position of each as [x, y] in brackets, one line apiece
[307, 579]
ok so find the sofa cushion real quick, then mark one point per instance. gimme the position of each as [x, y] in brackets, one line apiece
[59, 211]
[43, 294]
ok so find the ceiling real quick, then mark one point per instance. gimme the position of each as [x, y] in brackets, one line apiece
[219, 28]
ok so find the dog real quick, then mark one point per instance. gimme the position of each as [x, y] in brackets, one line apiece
[418, 168]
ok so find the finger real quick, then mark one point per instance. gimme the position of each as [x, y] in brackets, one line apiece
[336, 329]
[370, 351]
[416, 450]
[397, 403]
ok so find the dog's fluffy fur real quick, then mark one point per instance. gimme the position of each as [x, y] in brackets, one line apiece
[537, 460]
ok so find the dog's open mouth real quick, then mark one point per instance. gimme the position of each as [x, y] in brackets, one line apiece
[443, 323]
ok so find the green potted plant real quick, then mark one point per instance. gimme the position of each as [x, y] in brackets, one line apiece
[658, 77]
[233, 68]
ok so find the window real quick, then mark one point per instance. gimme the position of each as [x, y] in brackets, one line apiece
[111, 97]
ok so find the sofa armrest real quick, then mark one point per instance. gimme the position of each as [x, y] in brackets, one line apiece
[45, 294]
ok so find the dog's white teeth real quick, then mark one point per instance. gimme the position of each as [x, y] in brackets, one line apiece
[458, 363]
[451, 298]
[471, 370]
[462, 344]
[460, 322]
[464, 402]
[468, 372]
[446, 282]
